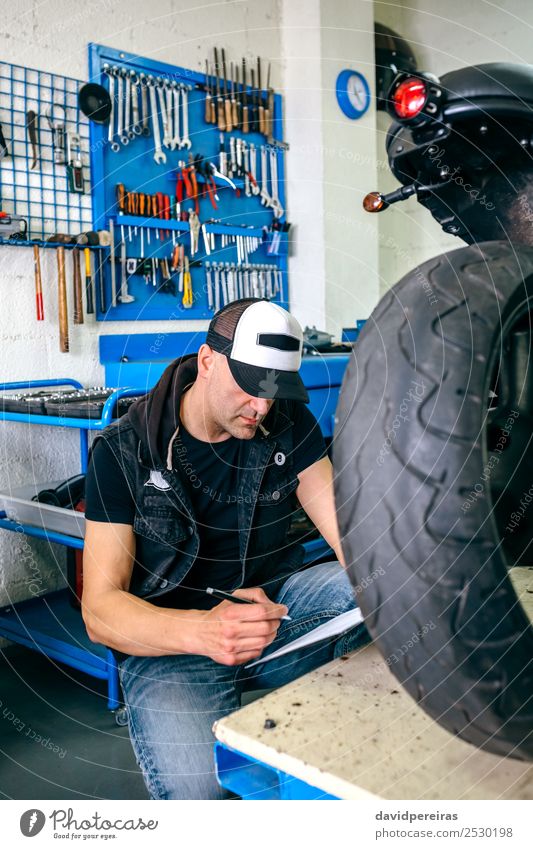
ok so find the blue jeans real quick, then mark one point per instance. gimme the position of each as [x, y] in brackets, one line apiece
[174, 700]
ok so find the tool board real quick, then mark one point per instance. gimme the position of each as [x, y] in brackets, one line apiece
[241, 232]
[36, 188]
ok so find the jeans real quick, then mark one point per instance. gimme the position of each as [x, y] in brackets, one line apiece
[173, 701]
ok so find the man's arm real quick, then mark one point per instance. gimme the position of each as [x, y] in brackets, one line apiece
[228, 633]
[315, 494]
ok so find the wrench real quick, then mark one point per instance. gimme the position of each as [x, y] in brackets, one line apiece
[246, 165]
[167, 139]
[144, 105]
[185, 141]
[276, 205]
[266, 200]
[115, 108]
[176, 95]
[170, 100]
[253, 169]
[120, 98]
[136, 125]
[128, 133]
[159, 155]
[110, 130]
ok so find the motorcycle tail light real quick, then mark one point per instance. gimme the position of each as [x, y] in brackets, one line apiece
[409, 98]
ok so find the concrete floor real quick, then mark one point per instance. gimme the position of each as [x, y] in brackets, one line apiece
[80, 754]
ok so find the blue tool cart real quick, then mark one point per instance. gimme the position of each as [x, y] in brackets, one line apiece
[49, 623]
[192, 226]
[254, 780]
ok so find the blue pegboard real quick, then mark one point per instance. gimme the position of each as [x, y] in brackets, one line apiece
[134, 167]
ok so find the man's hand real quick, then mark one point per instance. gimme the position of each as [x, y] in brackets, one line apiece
[232, 634]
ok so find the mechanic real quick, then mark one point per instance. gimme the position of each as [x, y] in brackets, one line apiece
[194, 488]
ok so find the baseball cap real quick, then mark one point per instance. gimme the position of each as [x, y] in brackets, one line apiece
[263, 345]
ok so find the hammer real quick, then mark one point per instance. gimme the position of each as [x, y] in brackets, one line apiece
[62, 301]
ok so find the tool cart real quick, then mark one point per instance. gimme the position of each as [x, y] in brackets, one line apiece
[50, 623]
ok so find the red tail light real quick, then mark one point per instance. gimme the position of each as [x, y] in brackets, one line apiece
[409, 98]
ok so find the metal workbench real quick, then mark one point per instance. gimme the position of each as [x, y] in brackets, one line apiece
[348, 730]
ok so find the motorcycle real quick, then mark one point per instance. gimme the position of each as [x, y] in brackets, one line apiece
[433, 448]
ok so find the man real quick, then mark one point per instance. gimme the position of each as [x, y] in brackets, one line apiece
[194, 488]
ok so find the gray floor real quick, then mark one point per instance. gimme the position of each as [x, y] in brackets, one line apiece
[57, 738]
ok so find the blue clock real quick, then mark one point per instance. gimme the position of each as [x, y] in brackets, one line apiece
[353, 93]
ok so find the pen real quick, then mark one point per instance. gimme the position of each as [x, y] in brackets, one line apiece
[237, 599]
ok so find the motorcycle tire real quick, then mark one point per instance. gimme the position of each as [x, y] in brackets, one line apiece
[433, 463]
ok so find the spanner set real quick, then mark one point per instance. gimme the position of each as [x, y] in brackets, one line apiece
[144, 105]
[186, 201]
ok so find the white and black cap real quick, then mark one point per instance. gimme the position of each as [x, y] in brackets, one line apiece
[263, 344]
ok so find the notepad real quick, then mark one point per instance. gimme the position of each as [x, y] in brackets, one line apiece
[331, 628]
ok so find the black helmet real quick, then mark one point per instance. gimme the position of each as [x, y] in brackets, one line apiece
[453, 135]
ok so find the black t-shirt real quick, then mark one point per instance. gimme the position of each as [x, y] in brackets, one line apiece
[210, 471]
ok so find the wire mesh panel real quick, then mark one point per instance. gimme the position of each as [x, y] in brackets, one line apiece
[36, 180]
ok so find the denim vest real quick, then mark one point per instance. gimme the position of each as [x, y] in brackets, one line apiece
[167, 539]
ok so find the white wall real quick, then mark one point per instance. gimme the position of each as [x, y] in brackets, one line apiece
[443, 37]
[333, 277]
[53, 36]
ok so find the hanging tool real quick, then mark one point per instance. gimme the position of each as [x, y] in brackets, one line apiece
[185, 140]
[194, 225]
[128, 130]
[119, 73]
[254, 114]
[209, 285]
[266, 200]
[159, 155]
[75, 167]
[143, 80]
[160, 209]
[38, 284]
[124, 295]
[62, 301]
[227, 99]
[58, 132]
[161, 93]
[13, 226]
[260, 107]
[276, 204]
[88, 282]
[208, 115]
[234, 111]
[237, 115]
[76, 278]
[176, 96]
[253, 170]
[187, 300]
[221, 121]
[217, 289]
[135, 115]
[169, 103]
[3, 144]
[100, 283]
[269, 111]
[112, 264]
[32, 127]
[245, 122]
[107, 69]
